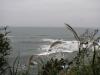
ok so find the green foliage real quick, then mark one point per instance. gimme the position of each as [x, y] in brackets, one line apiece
[85, 63]
[53, 67]
[87, 60]
[4, 49]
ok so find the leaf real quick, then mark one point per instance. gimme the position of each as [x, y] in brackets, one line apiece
[54, 44]
[74, 32]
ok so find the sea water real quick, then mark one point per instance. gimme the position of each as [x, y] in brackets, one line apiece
[37, 40]
[28, 41]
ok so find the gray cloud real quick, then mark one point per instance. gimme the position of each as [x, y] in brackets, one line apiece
[50, 12]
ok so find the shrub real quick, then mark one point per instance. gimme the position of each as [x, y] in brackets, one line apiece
[53, 67]
[4, 49]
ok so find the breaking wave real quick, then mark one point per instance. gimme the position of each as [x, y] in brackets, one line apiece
[65, 46]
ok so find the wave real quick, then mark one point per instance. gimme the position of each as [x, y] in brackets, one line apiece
[10, 36]
[51, 40]
[37, 36]
[66, 46]
[47, 53]
[33, 42]
[41, 35]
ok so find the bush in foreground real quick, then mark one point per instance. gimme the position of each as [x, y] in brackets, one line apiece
[87, 61]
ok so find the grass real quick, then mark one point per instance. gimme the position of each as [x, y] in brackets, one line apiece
[86, 62]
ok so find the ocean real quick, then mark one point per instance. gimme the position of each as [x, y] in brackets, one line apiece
[37, 40]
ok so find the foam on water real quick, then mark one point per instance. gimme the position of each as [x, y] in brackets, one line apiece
[49, 40]
[66, 46]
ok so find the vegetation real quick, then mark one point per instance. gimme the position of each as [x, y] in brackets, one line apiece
[86, 62]
[87, 59]
[4, 49]
[53, 67]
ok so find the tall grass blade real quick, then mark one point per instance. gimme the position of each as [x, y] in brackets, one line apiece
[54, 44]
[73, 31]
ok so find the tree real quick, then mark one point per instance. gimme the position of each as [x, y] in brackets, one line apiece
[4, 49]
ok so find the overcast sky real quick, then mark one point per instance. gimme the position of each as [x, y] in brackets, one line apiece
[50, 13]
